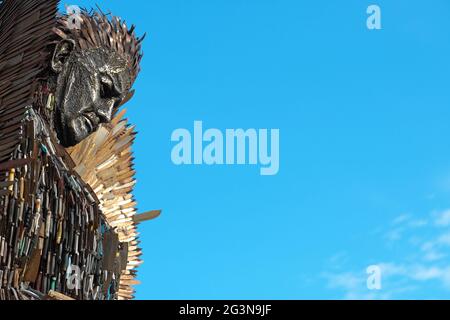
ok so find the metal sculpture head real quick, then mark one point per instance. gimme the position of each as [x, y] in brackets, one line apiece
[93, 67]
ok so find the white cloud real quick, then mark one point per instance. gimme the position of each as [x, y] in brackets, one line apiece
[347, 281]
[394, 234]
[397, 279]
[425, 239]
[442, 218]
[354, 284]
[432, 256]
[401, 224]
[432, 249]
[392, 269]
[400, 219]
[418, 223]
[444, 239]
[426, 273]
[423, 273]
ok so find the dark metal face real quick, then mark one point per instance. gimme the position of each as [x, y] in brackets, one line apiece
[90, 85]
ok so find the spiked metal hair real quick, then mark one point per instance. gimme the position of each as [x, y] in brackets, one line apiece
[95, 30]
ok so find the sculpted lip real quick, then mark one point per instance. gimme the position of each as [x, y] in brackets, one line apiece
[91, 121]
[89, 124]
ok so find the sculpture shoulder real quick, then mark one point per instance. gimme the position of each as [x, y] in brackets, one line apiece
[51, 223]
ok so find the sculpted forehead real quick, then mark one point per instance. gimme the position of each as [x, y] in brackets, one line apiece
[105, 61]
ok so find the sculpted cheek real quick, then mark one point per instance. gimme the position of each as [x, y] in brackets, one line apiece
[78, 93]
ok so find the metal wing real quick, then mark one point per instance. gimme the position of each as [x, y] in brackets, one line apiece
[105, 161]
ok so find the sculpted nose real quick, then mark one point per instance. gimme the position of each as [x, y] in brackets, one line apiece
[105, 111]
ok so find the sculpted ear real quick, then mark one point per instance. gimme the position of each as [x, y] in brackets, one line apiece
[62, 51]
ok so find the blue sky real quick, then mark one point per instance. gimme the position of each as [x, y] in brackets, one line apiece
[364, 148]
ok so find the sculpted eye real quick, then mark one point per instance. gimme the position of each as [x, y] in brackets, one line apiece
[107, 89]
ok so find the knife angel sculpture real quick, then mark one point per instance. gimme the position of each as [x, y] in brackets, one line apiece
[67, 215]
